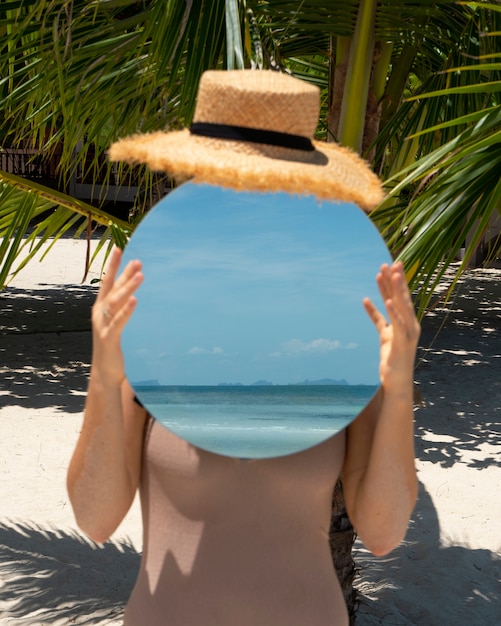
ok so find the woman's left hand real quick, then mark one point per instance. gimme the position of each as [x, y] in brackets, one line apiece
[379, 469]
[400, 337]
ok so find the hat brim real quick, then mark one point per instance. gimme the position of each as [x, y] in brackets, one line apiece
[330, 172]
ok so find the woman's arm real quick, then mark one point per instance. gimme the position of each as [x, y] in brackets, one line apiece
[379, 472]
[105, 468]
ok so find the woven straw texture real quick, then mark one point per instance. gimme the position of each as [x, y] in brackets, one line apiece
[265, 100]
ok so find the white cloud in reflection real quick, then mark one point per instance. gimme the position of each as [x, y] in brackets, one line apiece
[295, 347]
[198, 350]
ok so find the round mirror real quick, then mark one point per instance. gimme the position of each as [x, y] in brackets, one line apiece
[250, 338]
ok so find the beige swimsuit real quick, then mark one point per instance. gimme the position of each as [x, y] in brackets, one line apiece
[236, 543]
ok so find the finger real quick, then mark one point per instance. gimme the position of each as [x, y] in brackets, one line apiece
[124, 286]
[384, 282]
[394, 291]
[119, 296]
[109, 294]
[378, 319]
[396, 319]
[401, 297]
[401, 312]
[110, 273]
[110, 280]
[392, 283]
[119, 320]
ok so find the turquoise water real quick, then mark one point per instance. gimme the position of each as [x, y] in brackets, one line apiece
[255, 421]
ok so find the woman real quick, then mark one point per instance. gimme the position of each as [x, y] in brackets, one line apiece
[228, 542]
[258, 567]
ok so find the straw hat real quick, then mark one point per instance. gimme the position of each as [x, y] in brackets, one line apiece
[252, 131]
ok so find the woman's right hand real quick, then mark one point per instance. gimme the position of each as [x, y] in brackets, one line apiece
[112, 309]
[104, 471]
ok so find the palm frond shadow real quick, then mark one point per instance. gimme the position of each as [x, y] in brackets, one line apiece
[461, 343]
[60, 575]
[45, 346]
[424, 581]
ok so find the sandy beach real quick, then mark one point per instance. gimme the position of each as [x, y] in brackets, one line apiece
[448, 570]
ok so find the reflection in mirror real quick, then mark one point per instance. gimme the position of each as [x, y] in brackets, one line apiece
[249, 338]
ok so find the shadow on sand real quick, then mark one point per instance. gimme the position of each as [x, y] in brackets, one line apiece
[423, 582]
[462, 341]
[52, 576]
[45, 346]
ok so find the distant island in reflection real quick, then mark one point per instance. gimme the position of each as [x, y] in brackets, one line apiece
[267, 383]
[146, 383]
[259, 383]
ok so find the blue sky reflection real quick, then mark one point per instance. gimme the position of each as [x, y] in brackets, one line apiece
[241, 287]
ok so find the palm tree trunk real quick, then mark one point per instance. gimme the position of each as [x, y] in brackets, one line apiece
[341, 538]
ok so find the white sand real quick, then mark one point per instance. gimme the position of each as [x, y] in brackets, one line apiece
[448, 571]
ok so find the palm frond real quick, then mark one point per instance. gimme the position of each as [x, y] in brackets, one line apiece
[33, 218]
[454, 192]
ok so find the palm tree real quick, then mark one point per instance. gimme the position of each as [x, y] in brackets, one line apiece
[412, 86]
[422, 99]
[415, 89]
[79, 74]
[421, 102]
